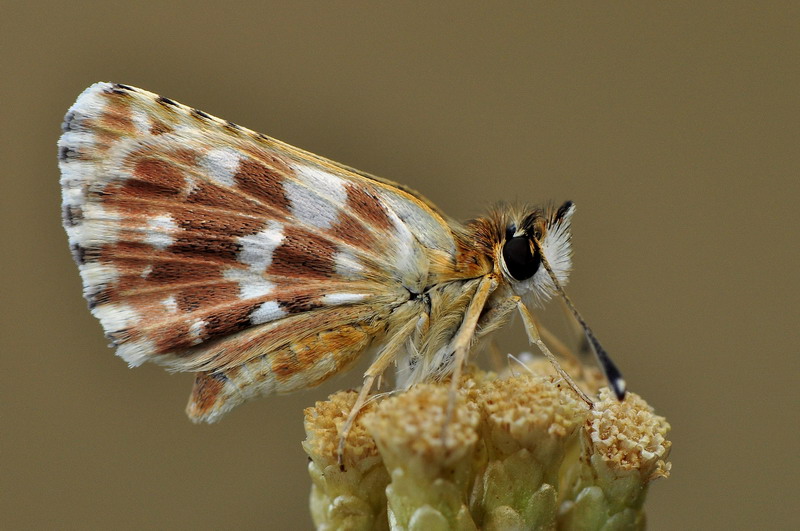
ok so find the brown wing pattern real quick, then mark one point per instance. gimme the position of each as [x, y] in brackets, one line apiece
[203, 245]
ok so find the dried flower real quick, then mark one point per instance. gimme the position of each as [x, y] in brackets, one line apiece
[520, 453]
[431, 474]
[528, 426]
[623, 449]
[352, 498]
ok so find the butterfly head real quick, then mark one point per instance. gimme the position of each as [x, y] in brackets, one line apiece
[535, 241]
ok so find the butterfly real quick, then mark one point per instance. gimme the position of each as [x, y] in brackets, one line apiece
[206, 247]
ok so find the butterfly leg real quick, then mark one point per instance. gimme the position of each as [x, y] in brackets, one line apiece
[561, 349]
[498, 316]
[492, 320]
[535, 338]
[384, 359]
[495, 318]
[463, 340]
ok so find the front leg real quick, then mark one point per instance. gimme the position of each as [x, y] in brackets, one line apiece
[533, 337]
[496, 317]
[499, 316]
[463, 339]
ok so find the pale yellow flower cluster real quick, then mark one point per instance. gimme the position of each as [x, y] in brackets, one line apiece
[521, 452]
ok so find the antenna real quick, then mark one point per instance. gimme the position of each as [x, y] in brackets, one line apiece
[612, 373]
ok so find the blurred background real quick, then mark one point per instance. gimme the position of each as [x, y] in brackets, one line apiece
[674, 128]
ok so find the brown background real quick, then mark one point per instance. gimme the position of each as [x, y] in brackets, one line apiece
[674, 129]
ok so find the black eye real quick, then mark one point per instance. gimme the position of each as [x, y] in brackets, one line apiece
[520, 262]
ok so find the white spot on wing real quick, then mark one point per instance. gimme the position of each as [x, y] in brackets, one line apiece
[97, 274]
[252, 284]
[268, 311]
[136, 352]
[347, 265]
[317, 198]
[221, 165]
[141, 121]
[78, 138]
[159, 231]
[335, 299]
[116, 317]
[170, 304]
[257, 248]
[99, 226]
[191, 185]
[90, 103]
[425, 226]
[409, 258]
[196, 331]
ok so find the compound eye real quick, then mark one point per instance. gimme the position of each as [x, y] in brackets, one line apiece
[521, 263]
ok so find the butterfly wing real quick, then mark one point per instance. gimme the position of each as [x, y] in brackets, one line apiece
[203, 245]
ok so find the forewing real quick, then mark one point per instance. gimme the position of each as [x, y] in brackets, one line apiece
[202, 244]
